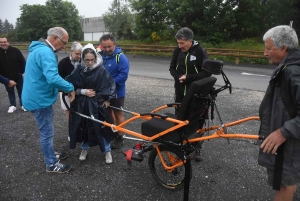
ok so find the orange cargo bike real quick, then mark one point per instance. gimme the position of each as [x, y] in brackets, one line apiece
[171, 138]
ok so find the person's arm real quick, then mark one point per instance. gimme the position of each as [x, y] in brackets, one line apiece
[123, 69]
[173, 64]
[4, 80]
[49, 69]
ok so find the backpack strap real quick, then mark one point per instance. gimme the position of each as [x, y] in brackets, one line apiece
[118, 57]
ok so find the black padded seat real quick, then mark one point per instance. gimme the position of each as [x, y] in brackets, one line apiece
[191, 109]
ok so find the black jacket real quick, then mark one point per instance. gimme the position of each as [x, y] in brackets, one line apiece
[80, 128]
[280, 109]
[189, 63]
[12, 63]
[65, 67]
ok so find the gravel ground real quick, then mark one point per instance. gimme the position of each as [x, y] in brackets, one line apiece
[228, 171]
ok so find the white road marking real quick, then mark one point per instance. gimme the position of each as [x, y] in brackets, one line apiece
[243, 73]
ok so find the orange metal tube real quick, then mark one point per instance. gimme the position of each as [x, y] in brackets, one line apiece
[168, 168]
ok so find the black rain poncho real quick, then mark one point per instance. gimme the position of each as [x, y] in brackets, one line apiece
[82, 129]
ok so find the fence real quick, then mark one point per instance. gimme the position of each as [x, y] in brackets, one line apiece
[136, 48]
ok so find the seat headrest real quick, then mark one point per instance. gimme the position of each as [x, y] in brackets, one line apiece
[212, 66]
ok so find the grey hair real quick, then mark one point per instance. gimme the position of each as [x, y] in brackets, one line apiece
[282, 35]
[184, 33]
[76, 46]
[57, 31]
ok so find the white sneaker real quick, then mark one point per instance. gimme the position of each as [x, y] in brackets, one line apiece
[108, 158]
[69, 139]
[11, 109]
[83, 154]
[23, 109]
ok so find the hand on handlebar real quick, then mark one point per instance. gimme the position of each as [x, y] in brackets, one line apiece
[272, 142]
[106, 103]
[72, 96]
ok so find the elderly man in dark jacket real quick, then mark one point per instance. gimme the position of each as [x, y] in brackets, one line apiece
[279, 113]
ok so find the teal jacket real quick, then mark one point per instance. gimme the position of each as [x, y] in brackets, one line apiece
[41, 79]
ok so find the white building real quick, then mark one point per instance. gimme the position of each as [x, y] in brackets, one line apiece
[93, 28]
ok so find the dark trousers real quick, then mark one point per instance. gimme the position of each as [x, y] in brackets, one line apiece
[11, 91]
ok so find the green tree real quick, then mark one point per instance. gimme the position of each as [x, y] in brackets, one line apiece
[1, 27]
[35, 20]
[264, 15]
[119, 20]
[66, 16]
[213, 20]
[7, 27]
[152, 16]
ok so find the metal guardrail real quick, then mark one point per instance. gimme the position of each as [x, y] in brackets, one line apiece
[135, 48]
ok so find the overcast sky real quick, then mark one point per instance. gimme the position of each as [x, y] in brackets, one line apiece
[10, 9]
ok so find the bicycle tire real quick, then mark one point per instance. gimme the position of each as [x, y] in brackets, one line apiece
[173, 180]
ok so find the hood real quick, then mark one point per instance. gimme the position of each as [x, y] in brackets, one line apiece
[98, 61]
[292, 58]
[37, 44]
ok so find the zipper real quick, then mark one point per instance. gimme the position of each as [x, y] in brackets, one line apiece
[186, 71]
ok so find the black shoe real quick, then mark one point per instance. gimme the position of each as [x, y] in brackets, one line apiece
[61, 155]
[117, 143]
[198, 156]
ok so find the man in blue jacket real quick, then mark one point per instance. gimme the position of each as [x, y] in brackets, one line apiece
[40, 89]
[117, 65]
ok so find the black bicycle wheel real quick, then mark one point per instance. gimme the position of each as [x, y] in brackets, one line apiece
[172, 179]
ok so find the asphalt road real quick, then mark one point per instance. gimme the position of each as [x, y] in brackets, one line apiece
[229, 172]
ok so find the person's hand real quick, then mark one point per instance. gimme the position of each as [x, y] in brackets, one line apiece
[90, 92]
[106, 103]
[72, 96]
[11, 83]
[272, 142]
[182, 78]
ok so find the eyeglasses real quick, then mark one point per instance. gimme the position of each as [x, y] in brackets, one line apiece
[77, 54]
[64, 42]
[89, 60]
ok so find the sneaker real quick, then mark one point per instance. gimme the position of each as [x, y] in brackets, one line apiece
[60, 155]
[83, 154]
[23, 109]
[69, 139]
[108, 158]
[11, 109]
[117, 142]
[58, 168]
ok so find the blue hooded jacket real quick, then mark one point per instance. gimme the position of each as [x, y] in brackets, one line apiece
[117, 69]
[41, 79]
